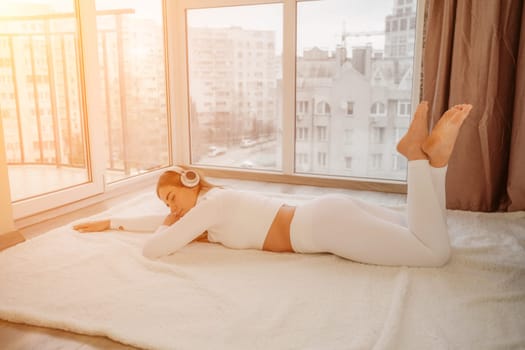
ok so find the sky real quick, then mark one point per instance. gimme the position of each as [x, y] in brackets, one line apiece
[320, 22]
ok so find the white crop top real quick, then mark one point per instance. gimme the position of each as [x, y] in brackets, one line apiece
[235, 219]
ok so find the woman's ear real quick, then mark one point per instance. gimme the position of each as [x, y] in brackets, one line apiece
[196, 189]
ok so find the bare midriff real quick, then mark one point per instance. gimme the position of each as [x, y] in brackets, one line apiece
[278, 237]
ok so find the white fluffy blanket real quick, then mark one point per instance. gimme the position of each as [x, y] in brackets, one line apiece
[210, 297]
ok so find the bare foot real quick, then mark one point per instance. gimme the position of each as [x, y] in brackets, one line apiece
[439, 145]
[410, 143]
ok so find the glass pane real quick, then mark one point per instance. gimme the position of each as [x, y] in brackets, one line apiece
[40, 97]
[133, 82]
[354, 85]
[234, 56]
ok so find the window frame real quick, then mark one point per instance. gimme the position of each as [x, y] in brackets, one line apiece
[350, 108]
[378, 106]
[30, 210]
[179, 94]
[88, 61]
[322, 108]
[404, 105]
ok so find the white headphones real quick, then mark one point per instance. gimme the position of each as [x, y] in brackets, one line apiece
[189, 178]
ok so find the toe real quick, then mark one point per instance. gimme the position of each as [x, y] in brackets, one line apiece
[422, 108]
[463, 113]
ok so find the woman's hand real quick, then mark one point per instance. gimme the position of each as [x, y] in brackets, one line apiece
[93, 226]
[171, 219]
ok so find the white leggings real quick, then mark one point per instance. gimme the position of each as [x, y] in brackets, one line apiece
[372, 234]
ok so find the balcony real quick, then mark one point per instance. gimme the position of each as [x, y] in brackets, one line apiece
[42, 100]
[378, 120]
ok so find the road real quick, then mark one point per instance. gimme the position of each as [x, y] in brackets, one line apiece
[266, 155]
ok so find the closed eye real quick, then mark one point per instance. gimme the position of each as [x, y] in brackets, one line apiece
[166, 200]
[170, 197]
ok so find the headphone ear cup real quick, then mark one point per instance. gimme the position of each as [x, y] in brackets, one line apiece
[190, 178]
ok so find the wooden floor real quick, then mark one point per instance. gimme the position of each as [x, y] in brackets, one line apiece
[15, 336]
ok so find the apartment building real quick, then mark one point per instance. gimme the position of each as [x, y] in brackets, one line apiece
[351, 109]
[233, 80]
[40, 90]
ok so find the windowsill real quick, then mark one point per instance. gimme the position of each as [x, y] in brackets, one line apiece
[116, 193]
[339, 182]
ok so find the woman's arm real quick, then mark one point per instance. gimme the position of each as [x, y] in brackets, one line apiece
[92, 226]
[135, 224]
[168, 239]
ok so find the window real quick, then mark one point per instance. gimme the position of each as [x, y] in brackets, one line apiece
[133, 76]
[378, 109]
[359, 71]
[403, 108]
[302, 133]
[55, 87]
[399, 163]
[322, 108]
[412, 22]
[40, 82]
[302, 107]
[350, 108]
[378, 135]
[348, 162]
[321, 159]
[302, 159]
[376, 161]
[403, 25]
[394, 26]
[402, 50]
[321, 133]
[251, 38]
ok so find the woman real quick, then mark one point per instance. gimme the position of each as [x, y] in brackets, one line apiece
[334, 224]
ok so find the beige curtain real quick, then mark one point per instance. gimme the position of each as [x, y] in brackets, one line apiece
[474, 53]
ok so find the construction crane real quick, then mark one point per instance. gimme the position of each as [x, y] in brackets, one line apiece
[369, 33]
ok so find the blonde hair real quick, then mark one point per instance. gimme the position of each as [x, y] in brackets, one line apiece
[172, 177]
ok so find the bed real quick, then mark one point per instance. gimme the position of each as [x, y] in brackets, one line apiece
[210, 297]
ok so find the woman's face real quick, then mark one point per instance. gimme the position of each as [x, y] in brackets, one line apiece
[179, 199]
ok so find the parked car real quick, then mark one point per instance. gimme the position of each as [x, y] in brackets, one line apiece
[248, 143]
[247, 164]
[214, 151]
